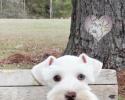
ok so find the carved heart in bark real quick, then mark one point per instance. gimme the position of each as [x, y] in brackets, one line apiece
[98, 27]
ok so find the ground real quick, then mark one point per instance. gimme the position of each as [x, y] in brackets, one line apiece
[121, 83]
[25, 42]
[32, 37]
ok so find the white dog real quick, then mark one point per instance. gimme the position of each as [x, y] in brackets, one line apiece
[68, 76]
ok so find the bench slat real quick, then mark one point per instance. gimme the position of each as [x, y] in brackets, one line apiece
[106, 92]
[24, 77]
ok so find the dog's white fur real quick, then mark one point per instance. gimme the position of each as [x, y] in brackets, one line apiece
[68, 67]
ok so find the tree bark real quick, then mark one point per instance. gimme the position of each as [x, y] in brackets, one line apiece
[51, 8]
[110, 49]
[1, 6]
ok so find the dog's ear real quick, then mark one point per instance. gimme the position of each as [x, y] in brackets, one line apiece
[37, 69]
[96, 64]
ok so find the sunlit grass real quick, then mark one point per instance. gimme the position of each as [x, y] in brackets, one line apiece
[32, 35]
[121, 98]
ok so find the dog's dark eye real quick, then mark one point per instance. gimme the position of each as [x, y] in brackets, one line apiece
[57, 78]
[81, 77]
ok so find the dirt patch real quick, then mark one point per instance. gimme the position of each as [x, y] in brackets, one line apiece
[16, 59]
[121, 82]
[24, 58]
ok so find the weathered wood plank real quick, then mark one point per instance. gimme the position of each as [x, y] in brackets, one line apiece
[106, 92]
[24, 77]
[107, 76]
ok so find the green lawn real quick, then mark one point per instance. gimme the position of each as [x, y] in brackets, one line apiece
[32, 35]
[121, 98]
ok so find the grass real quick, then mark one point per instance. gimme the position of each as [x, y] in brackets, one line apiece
[32, 35]
[121, 98]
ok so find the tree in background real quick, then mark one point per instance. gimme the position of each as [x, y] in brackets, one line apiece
[41, 8]
[107, 45]
[12, 9]
[62, 8]
[37, 8]
[34, 8]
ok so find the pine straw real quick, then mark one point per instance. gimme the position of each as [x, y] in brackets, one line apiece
[121, 82]
[25, 58]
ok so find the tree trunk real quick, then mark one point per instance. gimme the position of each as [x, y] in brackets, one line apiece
[110, 49]
[24, 6]
[1, 6]
[51, 8]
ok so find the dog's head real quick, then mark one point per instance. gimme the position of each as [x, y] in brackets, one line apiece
[67, 75]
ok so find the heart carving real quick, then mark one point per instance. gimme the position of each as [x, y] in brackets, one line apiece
[98, 27]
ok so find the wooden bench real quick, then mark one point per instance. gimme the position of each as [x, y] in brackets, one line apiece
[20, 85]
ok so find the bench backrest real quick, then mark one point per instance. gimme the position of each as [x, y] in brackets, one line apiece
[20, 85]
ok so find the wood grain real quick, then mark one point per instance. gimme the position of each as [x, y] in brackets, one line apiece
[24, 77]
[20, 85]
[104, 92]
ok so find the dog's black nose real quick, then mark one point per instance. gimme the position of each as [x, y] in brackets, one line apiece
[70, 95]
